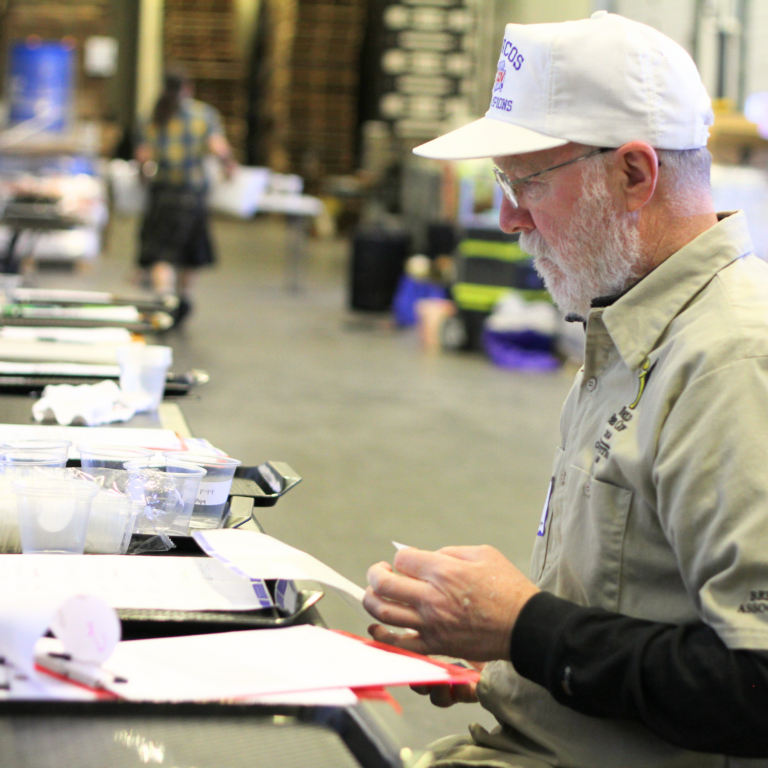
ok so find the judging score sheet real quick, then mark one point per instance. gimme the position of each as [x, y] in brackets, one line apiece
[164, 583]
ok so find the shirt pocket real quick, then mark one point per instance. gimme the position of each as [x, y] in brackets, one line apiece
[541, 542]
[591, 540]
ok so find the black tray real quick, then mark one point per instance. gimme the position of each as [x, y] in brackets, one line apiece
[142, 623]
[265, 484]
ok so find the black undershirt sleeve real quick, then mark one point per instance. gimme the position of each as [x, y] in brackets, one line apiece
[681, 681]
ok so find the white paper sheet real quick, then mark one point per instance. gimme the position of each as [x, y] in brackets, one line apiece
[233, 665]
[42, 687]
[328, 697]
[59, 369]
[120, 314]
[157, 439]
[58, 352]
[66, 335]
[263, 557]
[31, 295]
[165, 583]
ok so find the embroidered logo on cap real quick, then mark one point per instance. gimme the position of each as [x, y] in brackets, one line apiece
[500, 74]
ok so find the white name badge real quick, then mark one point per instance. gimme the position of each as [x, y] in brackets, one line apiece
[212, 493]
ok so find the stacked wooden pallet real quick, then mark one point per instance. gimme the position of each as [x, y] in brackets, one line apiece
[310, 76]
[201, 36]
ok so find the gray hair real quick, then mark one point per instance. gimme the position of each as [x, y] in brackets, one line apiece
[686, 168]
[685, 175]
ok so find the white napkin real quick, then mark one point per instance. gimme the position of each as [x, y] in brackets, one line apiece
[88, 404]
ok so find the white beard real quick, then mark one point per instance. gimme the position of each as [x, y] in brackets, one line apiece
[599, 255]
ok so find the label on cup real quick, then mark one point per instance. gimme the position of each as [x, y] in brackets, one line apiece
[212, 493]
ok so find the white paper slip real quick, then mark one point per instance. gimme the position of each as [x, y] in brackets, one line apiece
[233, 665]
[262, 557]
[157, 439]
[139, 582]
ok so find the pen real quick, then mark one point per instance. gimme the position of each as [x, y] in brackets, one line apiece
[86, 674]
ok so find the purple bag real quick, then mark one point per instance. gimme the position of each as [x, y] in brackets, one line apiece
[520, 350]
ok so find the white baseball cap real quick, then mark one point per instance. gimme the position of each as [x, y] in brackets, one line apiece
[601, 81]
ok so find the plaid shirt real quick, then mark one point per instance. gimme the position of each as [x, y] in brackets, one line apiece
[180, 146]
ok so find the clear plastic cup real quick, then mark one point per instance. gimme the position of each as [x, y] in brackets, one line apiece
[16, 462]
[9, 522]
[53, 513]
[186, 478]
[98, 460]
[143, 368]
[47, 446]
[212, 495]
[111, 524]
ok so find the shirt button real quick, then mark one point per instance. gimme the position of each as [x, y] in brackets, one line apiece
[587, 489]
[591, 384]
[562, 477]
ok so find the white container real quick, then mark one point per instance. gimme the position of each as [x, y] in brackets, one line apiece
[142, 369]
[212, 495]
[186, 478]
[53, 513]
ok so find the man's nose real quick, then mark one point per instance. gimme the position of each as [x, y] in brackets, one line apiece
[513, 219]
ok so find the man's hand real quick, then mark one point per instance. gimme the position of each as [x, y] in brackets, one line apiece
[459, 601]
[448, 695]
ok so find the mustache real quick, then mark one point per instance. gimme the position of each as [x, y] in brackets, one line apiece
[535, 245]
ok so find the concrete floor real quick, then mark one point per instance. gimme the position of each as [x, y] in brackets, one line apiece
[392, 442]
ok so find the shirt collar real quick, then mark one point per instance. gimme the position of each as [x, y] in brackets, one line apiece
[637, 318]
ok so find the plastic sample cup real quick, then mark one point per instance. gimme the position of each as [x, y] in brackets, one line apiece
[111, 523]
[15, 462]
[214, 488]
[186, 478]
[99, 459]
[48, 446]
[53, 513]
[142, 369]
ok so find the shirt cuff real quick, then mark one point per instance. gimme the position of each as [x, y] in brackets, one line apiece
[536, 634]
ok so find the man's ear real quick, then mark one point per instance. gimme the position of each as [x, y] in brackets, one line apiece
[637, 171]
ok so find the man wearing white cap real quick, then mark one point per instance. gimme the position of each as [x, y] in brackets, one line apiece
[641, 639]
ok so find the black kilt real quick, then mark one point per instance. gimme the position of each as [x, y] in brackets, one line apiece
[175, 228]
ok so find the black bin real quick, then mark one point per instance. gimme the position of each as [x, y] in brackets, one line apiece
[375, 269]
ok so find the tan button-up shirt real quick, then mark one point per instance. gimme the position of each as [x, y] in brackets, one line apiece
[659, 502]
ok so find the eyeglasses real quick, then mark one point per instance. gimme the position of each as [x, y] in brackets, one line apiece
[508, 186]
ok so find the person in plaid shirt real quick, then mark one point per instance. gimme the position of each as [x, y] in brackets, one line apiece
[175, 239]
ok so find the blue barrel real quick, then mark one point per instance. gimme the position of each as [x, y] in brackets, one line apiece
[41, 73]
